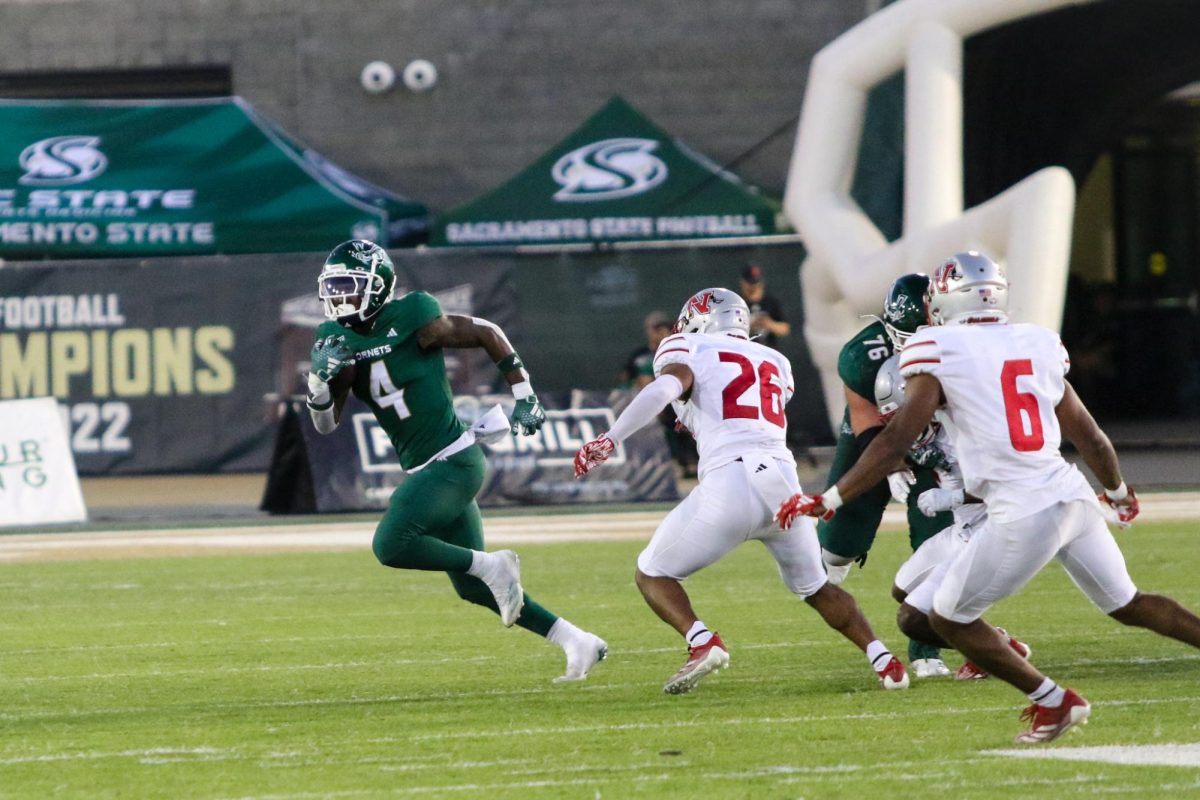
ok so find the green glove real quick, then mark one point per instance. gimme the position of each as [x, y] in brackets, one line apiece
[527, 416]
[929, 456]
[329, 355]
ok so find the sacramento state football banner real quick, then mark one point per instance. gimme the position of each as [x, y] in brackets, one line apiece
[617, 178]
[154, 178]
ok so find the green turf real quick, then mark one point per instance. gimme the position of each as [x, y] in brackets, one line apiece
[298, 676]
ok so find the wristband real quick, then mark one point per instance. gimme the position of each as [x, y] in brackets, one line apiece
[509, 363]
[319, 396]
[1118, 494]
[831, 498]
[522, 390]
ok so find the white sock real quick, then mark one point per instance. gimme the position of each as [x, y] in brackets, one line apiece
[834, 560]
[1048, 695]
[878, 655]
[563, 632]
[698, 635]
[478, 559]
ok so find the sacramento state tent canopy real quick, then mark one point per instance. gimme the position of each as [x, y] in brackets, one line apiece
[155, 178]
[618, 177]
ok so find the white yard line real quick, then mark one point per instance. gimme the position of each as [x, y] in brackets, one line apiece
[327, 537]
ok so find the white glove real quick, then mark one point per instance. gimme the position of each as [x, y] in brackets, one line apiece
[901, 483]
[932, 501]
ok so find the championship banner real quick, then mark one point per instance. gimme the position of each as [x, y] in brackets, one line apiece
[172, 364]
[38, 483]
[355, 467]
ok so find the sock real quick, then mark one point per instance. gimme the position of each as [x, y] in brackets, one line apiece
[478, 559]
[562, 632]
[698, 635]
[878, 655]
[918, 650]
[834, 560]
[1048, 695]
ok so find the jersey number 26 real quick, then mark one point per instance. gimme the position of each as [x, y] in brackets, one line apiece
[770, 393]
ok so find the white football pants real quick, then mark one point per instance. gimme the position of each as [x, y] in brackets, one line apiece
[733, 504]
[1002, 557]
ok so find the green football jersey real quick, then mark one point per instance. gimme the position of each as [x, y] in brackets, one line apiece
[406, 387]
[861, 357]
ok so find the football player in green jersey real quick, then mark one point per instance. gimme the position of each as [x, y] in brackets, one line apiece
[389, 353]
[849, 535]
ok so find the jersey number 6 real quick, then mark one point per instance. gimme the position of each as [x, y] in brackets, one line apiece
[1018, 403]
[770, 393]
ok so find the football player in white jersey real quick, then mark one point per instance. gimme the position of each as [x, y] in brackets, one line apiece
[921, 574]
[730, 392]
[1004, 392]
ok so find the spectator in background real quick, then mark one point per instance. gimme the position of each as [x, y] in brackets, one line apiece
[639, 368]
[639, 373]
[767, 322]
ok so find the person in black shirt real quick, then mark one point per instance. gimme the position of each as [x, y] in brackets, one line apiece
[766, 312]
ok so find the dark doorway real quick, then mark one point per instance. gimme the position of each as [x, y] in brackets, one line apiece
[121, 84]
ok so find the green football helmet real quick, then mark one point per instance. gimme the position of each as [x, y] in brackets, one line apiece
[357, 280]
[904, 307]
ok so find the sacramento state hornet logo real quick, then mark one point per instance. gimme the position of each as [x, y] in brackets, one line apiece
[62, 160]
[608, 169]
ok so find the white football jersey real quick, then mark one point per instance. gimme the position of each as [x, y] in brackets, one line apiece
[1002, 383]
[738, 395]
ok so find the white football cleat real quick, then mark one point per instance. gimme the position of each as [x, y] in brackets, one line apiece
[583, 653]
[503, 577]
[930, 668]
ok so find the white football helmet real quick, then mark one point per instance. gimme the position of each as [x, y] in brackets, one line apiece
[968, 287]
[889, 397]
[714, 310]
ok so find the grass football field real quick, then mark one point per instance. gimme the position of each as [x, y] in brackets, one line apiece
[312, 675]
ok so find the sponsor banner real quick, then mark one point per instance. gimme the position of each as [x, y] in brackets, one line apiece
[38, 482]
[104, 178]
[618, 177]
[355, 468]
[166, 369]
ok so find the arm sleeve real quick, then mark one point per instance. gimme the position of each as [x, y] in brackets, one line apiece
[645, 408]
[1064, 357]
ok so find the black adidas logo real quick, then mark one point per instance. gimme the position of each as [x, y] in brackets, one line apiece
[761, 467]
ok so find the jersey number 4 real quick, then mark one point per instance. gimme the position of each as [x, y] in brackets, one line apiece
[1021, 405]
[384, 391]
[770, 393]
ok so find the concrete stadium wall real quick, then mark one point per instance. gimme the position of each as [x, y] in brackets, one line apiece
[515, 75]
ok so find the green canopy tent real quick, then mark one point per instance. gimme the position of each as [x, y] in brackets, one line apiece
[157, 178]
[618, 177]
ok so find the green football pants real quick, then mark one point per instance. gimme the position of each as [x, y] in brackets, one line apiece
[852, 530]
[433, 523]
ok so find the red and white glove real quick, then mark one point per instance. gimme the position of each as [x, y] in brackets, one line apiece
[1121, 502]
[593, 454]
[804, 505]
